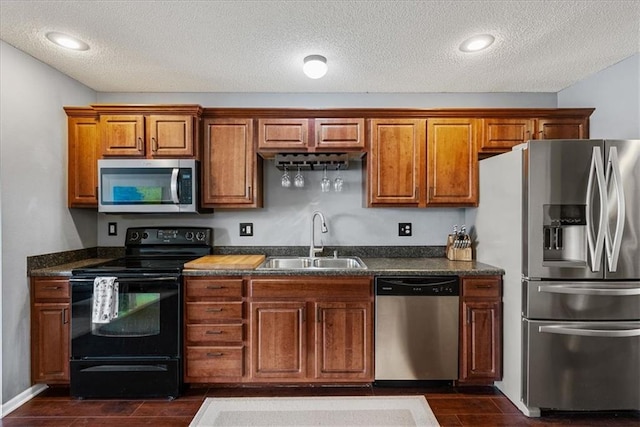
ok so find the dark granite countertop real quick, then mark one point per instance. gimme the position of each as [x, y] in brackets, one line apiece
[375, 267]
[65, 269]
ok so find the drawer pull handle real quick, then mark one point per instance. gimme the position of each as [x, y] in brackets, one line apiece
[483, 286]
[213, 332]
[215, 354]
[215, 287]
[53, 288]
[214, 310]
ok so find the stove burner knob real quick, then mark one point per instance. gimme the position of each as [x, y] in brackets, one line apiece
[134, 235]
[145, 235]
[200, 235]
[189, 235]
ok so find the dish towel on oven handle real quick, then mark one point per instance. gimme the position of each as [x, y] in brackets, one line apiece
[105, 299]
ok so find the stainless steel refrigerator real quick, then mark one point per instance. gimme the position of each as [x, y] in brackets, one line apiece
[562, 217]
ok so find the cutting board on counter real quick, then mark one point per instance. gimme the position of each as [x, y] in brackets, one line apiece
[226, 262]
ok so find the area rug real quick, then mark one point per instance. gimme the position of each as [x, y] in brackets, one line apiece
[348, 411]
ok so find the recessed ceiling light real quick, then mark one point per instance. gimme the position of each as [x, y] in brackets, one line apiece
[315, 66]
[67, 41]
[477, 43]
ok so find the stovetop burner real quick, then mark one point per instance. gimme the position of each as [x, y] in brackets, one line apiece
[156, 250]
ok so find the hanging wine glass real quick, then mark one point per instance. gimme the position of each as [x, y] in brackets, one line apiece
[338, 183]
[325, 184]
[286, 179]
[298, 180]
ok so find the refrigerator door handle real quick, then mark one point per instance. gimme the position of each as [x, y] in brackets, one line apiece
[614, 177]
[596, 244]
[575, 290]
[584, 332]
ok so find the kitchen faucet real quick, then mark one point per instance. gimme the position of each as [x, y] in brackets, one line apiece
[313, 251]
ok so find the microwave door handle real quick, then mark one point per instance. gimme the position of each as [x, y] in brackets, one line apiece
[585, 332]
[615, 177]
[596, 173]
[174, 186]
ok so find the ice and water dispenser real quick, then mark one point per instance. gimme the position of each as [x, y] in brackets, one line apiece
[564, 234]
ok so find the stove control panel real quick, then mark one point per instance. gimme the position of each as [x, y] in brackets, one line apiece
[169, 236]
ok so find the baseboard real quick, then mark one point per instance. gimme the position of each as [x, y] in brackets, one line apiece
[22, 398]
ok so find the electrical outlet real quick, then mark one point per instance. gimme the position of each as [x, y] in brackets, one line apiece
[113, 229]
[246, 229]
[404, 229]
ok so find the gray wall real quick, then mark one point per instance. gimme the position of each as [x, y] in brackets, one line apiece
[615, 94]
[35, 218]
[285, 218]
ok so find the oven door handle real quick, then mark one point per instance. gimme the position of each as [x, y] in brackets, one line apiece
[127, 279]
[607, 333]
[575, 290]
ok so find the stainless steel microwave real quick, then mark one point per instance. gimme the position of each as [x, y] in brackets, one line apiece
[147, 185]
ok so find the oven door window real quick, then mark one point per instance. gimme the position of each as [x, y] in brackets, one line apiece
[147, 323]
[138, 315]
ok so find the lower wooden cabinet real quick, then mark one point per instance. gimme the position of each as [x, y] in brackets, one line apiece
[50, 330]
[311, 330]
[214, 325]
[481, 330]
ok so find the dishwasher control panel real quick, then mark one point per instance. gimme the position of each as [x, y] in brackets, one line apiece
[418, 286]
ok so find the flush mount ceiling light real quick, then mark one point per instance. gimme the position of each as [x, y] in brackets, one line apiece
[67, 41]
[315, 66]
[476, 43]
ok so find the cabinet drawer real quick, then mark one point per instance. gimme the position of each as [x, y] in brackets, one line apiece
[213, 288]
[214, 333]
[208, 362]
[304, 287]
[53, 289]
[485, 288]
[214, 311]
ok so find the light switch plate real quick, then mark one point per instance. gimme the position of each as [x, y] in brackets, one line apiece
[246, 229]
[113, 229]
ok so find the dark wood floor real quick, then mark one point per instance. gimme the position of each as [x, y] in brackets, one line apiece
[476, 406]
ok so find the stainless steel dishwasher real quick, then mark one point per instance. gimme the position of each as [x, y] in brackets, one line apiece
[416, 328]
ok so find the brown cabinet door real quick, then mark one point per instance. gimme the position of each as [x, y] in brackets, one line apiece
[230, 164]
[343, 342]
[340, 134]
[50, 343]
[481, 326]
[562, 129]
[283, 134]
[84, 147]
[396, 161]
[452, 162]
[481, 338]
[278, 340]
[122, 135]
[501, 134]
[170, 136]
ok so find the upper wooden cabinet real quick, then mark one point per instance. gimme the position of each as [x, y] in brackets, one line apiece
[231, 172]
[83, 152]
[149, 131]
[310, 135]
[396, 161]
[503, 133]
[422, 162]
[452, 162]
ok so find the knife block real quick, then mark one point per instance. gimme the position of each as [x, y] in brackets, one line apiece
[457, 254]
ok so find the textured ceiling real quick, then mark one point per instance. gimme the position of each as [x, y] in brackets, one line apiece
[371, 46]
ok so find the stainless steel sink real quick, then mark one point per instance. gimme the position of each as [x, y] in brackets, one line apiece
[307, 263]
